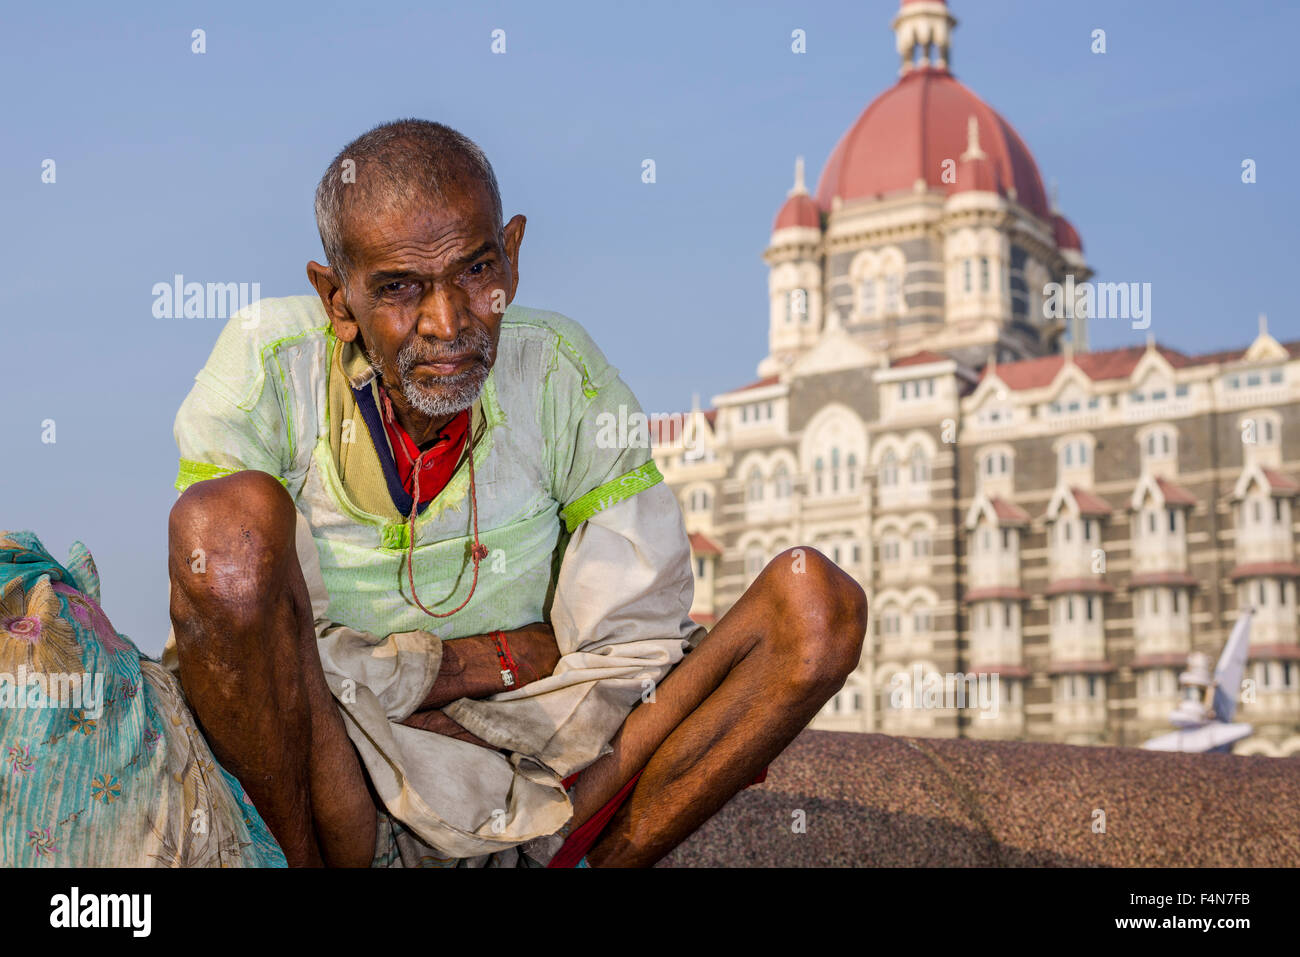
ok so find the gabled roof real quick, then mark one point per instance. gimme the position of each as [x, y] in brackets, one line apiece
[998, 511]
[1273, 481]
[667, 430]
[1107, 364]
[1078, 501]
[1175, 494]
[1279, 483]
[1090, 504]
[1009, 513]
[758, 384]
[924, 357]
[703, 545]
[1165, 493]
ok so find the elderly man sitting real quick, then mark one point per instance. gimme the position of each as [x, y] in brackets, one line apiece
[419, 608]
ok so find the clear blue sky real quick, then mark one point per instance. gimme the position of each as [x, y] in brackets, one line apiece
[170, 162]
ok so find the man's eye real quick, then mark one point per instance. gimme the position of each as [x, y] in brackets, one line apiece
[395, 286]
[478, 268]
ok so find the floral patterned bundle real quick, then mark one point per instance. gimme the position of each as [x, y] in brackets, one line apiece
[102, 762]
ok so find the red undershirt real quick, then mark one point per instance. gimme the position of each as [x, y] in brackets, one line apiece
[437, 462]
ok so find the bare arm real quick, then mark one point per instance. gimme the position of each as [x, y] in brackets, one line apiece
[471, 669]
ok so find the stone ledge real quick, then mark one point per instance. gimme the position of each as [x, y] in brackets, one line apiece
[880, 801]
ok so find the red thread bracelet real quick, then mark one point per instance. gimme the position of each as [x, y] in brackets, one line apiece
[509, 668]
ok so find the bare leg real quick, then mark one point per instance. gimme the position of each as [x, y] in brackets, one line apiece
[251, 672]
[729, 708]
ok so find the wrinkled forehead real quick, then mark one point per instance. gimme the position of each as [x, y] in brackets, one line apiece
[463, 209]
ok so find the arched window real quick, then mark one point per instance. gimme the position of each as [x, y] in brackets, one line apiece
[699, 500]
[797, 306]
[1074, 454]
[818, 470]
[920, 466]
[893, 295]
[781, 481]
[754, 486]
[835, 470]
[753, 562]
[853, 471]
[867, 299]
[889, 469]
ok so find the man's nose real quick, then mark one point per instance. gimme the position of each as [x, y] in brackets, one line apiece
[442, 314]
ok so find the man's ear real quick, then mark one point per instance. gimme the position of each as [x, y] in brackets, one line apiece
[330, 290]
[514, 235]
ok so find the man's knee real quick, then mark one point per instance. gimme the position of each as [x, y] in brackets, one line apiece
[822, 617]
[229, 540]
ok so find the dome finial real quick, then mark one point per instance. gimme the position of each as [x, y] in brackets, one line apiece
[973, 151]
[925, 25]
[1054, 197]
[799, 188]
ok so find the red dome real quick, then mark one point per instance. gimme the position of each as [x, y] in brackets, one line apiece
[1067, 237]
[908, 132]
[799, 210]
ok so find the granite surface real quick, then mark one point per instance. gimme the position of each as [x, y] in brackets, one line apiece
[879, 801]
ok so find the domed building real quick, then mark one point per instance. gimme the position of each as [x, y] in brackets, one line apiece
[1044, 532]
[930, 226]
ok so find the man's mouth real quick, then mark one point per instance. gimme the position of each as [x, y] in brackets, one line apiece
[446, 365]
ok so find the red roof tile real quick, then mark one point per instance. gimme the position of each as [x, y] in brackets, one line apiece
[924, 357]
[1108, 364]
[1163, 578]
[1067, 237]
[1270, 569]
[1063, 586]
[799, 210]
[1280, 482]
[767, 380]
[1079, 667]
[1175, 494]
[1088, 503]
[1009, 513]
[1285, 652]
[668, 429]
[1004, 671]
[703, 545]
[996, 592]
[1170, 659]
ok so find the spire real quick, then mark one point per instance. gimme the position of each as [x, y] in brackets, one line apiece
[1263, 324]
[973, 151]
[799, 188]
[1054, 197]
[924, 25]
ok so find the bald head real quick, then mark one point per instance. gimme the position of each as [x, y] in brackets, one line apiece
[397, 166]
